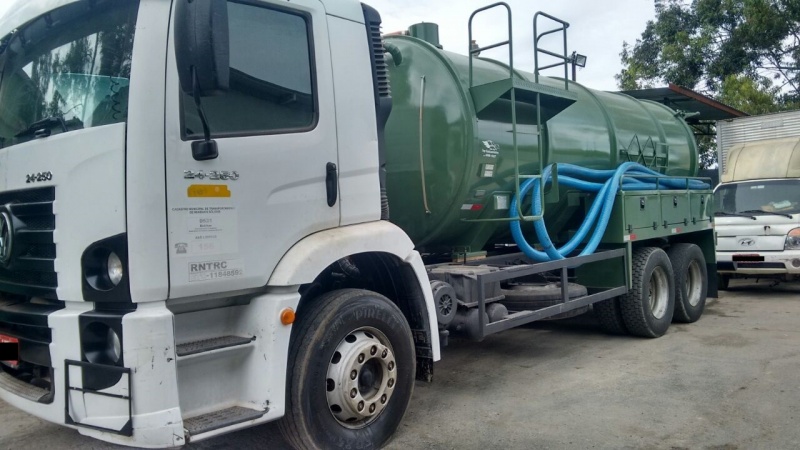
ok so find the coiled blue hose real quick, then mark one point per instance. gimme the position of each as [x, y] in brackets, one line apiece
[605, 183]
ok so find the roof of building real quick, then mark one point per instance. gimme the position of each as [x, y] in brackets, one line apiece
[689, 101]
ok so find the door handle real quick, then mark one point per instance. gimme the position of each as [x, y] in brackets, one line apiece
[331, 183]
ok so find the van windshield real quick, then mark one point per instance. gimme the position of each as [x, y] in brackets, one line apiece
[767, 196]
[67, 70]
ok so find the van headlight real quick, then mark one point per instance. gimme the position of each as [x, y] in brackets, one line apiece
[793, 240]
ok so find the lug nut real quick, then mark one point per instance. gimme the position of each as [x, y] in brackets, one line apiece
[391, 365]
[373, 350]
[353, 375]
[353, 393]
[383, 398]
[385, 352]
[361, 406]
[372, 408]
[361, 358]
[391, 382]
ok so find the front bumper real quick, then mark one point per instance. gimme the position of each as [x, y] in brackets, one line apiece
[106, 413]
[759, 263]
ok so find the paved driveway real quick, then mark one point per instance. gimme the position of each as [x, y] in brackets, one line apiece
[729, 381]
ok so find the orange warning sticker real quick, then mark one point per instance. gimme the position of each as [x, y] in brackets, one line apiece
[208, 191]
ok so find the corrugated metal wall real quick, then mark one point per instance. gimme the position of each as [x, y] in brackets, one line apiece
[754, 128]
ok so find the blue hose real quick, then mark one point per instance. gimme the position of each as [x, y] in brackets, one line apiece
[605, 183]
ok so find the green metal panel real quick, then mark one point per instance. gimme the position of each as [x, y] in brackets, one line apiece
[454, 162]
[675, 208]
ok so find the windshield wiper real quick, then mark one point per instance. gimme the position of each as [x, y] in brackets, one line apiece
[736, 214]
[761, 211]
[43, 128]
[44, 124]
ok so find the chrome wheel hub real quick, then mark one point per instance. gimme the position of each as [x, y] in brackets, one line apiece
[361, 377]
[658, 292]
[694, 283]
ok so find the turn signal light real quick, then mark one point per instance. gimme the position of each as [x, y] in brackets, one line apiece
[287, 316]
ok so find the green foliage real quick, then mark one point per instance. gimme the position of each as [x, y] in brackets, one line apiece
[757, 96]
[745, 53]
[700, 43]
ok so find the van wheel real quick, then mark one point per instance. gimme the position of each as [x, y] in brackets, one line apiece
[351, 372]
[648, 307]
[691, 281]
[723, 281]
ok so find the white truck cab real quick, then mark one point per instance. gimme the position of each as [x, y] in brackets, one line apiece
[158, 240]
[758, 211]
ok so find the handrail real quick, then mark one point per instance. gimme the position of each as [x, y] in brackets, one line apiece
[536, 50]
[421, 145]
[508, 41]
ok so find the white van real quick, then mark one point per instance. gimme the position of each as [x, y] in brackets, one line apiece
[758, 212]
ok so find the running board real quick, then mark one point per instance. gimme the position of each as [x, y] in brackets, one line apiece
[208, 345]
[220, 419]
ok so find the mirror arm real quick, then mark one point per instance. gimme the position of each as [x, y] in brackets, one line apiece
[205, 149]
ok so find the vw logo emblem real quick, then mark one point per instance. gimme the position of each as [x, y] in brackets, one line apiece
[746, 242]
[6, 233]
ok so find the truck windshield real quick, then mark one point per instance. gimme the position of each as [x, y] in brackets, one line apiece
[67, 70]
[752, 197]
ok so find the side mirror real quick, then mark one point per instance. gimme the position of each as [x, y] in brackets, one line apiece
[202, 53]
[202, 50]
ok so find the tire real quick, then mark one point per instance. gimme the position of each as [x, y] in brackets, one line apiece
[609, 315]
[648, 306]
[723, 281]
[332, 333]
[538, 296]
[691, 282]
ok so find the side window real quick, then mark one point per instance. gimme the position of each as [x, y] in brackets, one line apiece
[271, 82]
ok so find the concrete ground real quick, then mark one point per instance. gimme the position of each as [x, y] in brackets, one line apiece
[729, 381]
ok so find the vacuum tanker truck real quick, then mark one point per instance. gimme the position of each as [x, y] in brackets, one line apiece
[216, 214]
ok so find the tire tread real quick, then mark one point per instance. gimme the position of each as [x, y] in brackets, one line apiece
[631, 304]
[681, 256]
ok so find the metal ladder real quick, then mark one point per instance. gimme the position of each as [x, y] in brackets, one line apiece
[517, 89]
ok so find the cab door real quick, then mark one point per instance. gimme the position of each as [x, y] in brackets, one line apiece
[232, 218]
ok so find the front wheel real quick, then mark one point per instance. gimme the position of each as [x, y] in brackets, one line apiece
[351, 372]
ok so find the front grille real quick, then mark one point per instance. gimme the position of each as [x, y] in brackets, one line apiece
[31, 269]
[27, 321]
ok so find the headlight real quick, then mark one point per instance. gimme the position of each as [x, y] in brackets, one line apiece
[101, 344]
[114, 268]
[793, 240]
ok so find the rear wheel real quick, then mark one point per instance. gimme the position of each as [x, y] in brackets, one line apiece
[691, 278]
[351, 372]
[648, 307]
[609, 315]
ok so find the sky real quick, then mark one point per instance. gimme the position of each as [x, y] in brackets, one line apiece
[5, 5]
[597, 28]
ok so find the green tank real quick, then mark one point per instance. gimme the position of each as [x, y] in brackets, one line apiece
[450, 160]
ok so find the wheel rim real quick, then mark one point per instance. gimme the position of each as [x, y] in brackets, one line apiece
[446, 304]
[694, 283]
[361, 378]
[658, 292]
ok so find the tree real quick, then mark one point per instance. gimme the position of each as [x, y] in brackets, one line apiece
[744, 53]
[699, 43]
